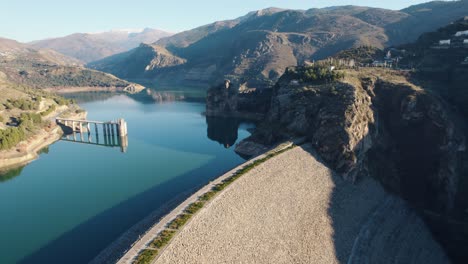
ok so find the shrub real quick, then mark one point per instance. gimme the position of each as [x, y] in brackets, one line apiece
[62, 101]
[146, 256]
[162, 238]
[194, 207]
[49, 110]
[10, 137]
[315, 74]
[30, 118]
[207, 196]
[179, 221]
[23, 104]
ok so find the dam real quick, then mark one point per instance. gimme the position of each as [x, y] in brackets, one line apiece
[113, 133]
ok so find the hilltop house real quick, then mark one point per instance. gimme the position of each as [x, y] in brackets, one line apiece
[379, 64]
[465, 62]
[444, 42]
[461, 33]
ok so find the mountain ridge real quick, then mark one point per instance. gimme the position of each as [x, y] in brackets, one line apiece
[255, 49]
[88, 47]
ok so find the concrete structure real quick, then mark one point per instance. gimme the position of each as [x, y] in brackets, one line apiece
[382, 64]
[465, 62]
[461, 33]
[444, 42]
[115, 132]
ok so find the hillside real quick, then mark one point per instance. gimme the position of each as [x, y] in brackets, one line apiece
[405, 128]
[444, 68]
[254, 50]
[45, 68]
[370, 122]
[25, 115]
[89, 47]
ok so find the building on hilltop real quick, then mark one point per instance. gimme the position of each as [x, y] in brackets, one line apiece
[461, 33]
[465, 62]
[444, 42]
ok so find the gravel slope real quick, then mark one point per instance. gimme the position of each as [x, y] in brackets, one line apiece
[292, 209]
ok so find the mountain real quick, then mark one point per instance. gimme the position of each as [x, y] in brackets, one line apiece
[407, 129]
[89, 47]
[254, 50]
[12, 49]
[44, 68]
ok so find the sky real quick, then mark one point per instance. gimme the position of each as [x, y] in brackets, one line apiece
[28, 20]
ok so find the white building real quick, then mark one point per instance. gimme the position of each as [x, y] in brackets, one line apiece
[461, 33]
[444, 42]
[294, 82]
[465, 41]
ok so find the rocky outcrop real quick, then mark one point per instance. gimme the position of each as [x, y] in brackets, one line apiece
[374, 123]
[229, 100]
[377, 123]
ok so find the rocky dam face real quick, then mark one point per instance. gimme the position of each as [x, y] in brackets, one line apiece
[372, 123]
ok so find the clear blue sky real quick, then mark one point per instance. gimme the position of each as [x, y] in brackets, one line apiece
[26, 20]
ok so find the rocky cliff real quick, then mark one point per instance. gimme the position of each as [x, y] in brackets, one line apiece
[230, 100]
[376, 123]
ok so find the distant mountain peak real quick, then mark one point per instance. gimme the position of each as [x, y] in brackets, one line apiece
[89, 47]
[129, 30]
[264, 12]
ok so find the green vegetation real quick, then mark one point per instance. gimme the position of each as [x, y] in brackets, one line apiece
[207, 196]
[146, 256]
[317, 74]
[361, 55]
[194, 207]
[49, 110]
[11, 136]
[179, 221]
[10, 174]
[23, 104]
[62, 101]
[163, 238]
[29, 119]
[2, 119]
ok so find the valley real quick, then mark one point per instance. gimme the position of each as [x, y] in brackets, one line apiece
[323, 135]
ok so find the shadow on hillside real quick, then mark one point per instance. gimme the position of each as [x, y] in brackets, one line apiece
[372, 226]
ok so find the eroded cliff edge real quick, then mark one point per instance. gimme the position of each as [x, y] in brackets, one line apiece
[377, 123]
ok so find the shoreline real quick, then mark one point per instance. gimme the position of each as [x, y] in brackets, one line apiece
[45, 139]
[132, 88]
[35, 144]
[127, 253]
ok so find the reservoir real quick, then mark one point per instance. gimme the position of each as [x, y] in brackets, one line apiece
[76, 199]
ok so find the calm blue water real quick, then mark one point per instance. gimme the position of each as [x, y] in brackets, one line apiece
[76, 199]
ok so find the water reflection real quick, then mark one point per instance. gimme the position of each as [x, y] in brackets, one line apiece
[224, 130]
[78, 188]
[147, 96]
[10, 174]
[107, 140]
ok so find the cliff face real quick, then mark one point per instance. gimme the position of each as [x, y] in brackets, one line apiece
[375, 122]
[229, 101]
[378, 124]
[334, 117]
